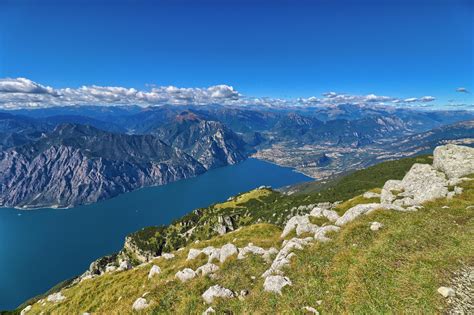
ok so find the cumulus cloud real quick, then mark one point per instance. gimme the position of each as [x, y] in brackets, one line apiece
[22, 85]
[24, 93]
[21, 93]
[462, 90]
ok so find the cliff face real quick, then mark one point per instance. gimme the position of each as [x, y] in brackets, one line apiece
[80, 164]
[209, 142]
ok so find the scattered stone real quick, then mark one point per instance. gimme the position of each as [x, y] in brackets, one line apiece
[445, 207]
[462, 283]
[167, 256]
[454, 160]
[311, 310]
[320, 212]
[251, 249]
[140, 304]
[226, 251]
[56, 297]
[276, 283]
[207, 269]
[216, 291]
[193, 253]
[446, 292]
[210, 310]
[185, 275]
[375, 226]
[154, 271]
[110, 268]
[25, 310]
[244, 292]
[302, 225]
[356, 211]
[320, 234]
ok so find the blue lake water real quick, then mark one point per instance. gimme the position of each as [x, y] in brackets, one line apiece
[40, 248]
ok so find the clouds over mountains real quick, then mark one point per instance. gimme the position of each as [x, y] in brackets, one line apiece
[24, 93]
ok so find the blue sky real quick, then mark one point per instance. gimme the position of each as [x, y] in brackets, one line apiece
[272, 48]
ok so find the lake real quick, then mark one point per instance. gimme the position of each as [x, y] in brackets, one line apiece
[40, 248]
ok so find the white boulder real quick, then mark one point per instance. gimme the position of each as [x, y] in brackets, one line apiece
[140, 304]
[167, 256]
[193, 253]
[276, 283]
[154, 271]
[207, 269]
[216, 291]
[227, 251]
[446, 292]
[185, 275]
[320, 234]
[356, 211]
[375, 226]
[454, 160]
[302, 225]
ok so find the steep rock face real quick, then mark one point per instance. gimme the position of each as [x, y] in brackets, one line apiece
[209, 142]
[80, 164]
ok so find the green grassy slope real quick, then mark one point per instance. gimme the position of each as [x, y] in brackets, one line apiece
[396, 269]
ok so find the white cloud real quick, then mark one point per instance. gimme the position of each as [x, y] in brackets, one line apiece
[24, 93]
[462, 90]
[22, 85]
[427, 99]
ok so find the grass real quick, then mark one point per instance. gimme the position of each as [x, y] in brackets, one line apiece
[396, 269]
[255, 194]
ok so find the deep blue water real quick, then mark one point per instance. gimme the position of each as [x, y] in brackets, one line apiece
[40, 248]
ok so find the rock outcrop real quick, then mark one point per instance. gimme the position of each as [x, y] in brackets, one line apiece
[454, 160]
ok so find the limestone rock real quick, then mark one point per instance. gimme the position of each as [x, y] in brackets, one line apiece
[154, 271]
[302, 225]
[216, 291]
[56, 297]
[193, 253]
[422, 183]
[454, 160]
[167, 256]
[226, 251]
[276, 283]
[446, 292]
[387, 196]
[375, 226]
[356, 211]
[185, 275]
[207, 269]
[320, 212]
[140, 304]
[320, 234]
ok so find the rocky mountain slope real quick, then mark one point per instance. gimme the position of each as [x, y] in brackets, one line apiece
[406, 246]
[209, 142]
[77, 164]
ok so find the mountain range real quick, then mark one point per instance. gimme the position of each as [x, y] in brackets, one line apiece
[67, 156]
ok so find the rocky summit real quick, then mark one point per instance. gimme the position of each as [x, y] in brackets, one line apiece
[385, 243]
